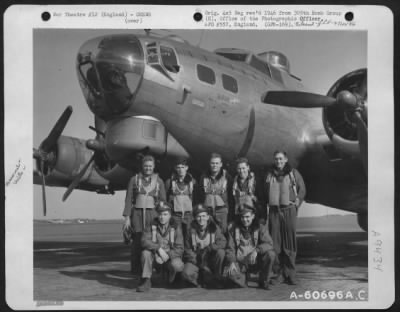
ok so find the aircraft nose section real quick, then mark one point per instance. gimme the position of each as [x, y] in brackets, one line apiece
[110, 70]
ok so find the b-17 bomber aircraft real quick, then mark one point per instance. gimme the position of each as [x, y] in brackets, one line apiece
[161, 95]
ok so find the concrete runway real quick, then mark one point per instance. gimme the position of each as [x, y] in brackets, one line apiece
[73, 263]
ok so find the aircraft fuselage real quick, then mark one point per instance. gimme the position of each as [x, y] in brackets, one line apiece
[208, 103]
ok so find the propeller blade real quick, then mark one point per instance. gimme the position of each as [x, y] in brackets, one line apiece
[362, 132]
[51, 140]
[43, 187]
[364, 112]
[77, 179]
[346, 146]
[298, 99]
[38, 157]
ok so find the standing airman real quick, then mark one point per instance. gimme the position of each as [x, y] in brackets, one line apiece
[285, 192]
[181, 192]
[144, 191]
[244, 185]
[214, 186]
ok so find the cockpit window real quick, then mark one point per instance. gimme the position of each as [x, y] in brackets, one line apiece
[260, 65]
[152, 55]
[169, 59]
[205, 74]
[276, 74]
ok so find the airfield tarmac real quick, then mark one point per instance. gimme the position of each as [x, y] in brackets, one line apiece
[89, 262]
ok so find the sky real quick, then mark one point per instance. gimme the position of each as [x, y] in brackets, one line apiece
[319, 58]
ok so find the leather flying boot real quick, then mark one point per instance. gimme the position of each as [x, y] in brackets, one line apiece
[145, 285]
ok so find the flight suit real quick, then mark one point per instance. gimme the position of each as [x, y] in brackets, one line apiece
[181, 195]
[244, 192]
[142, 196]
[282, 189]
[168, 237]
[204, 254]
[215, 195]
[241, 243]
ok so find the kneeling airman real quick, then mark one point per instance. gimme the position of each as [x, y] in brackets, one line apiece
[204, 250]
[162, 242]
[249, 249]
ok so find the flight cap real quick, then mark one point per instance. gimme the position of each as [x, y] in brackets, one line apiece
[244, 208]
[199, 208]
[181, 161]
[163, 206]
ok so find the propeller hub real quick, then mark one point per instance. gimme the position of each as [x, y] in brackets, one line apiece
[95, 145]
[347, 99]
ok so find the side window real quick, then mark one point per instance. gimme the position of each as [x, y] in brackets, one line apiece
[205, 74]
[229, 83]
[169, 59]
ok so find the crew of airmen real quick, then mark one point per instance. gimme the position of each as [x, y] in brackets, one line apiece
[218, 231]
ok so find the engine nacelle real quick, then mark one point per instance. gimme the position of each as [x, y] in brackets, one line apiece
[68, 159]
[125, 137]
[338, 122]
[72, 155]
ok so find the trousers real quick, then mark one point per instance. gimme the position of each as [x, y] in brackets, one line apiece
[173, 265]
[213, 264]
[138, 228]
[137, 218]
[136, 249]
[220, 214]
[264, 264]
[184, 221]
[282, 226]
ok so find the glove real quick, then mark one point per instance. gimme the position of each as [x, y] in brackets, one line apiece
[164, 256]
[127, 234]
[253, 258]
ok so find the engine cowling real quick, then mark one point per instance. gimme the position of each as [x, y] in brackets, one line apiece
[338, 120]
[71, 155]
